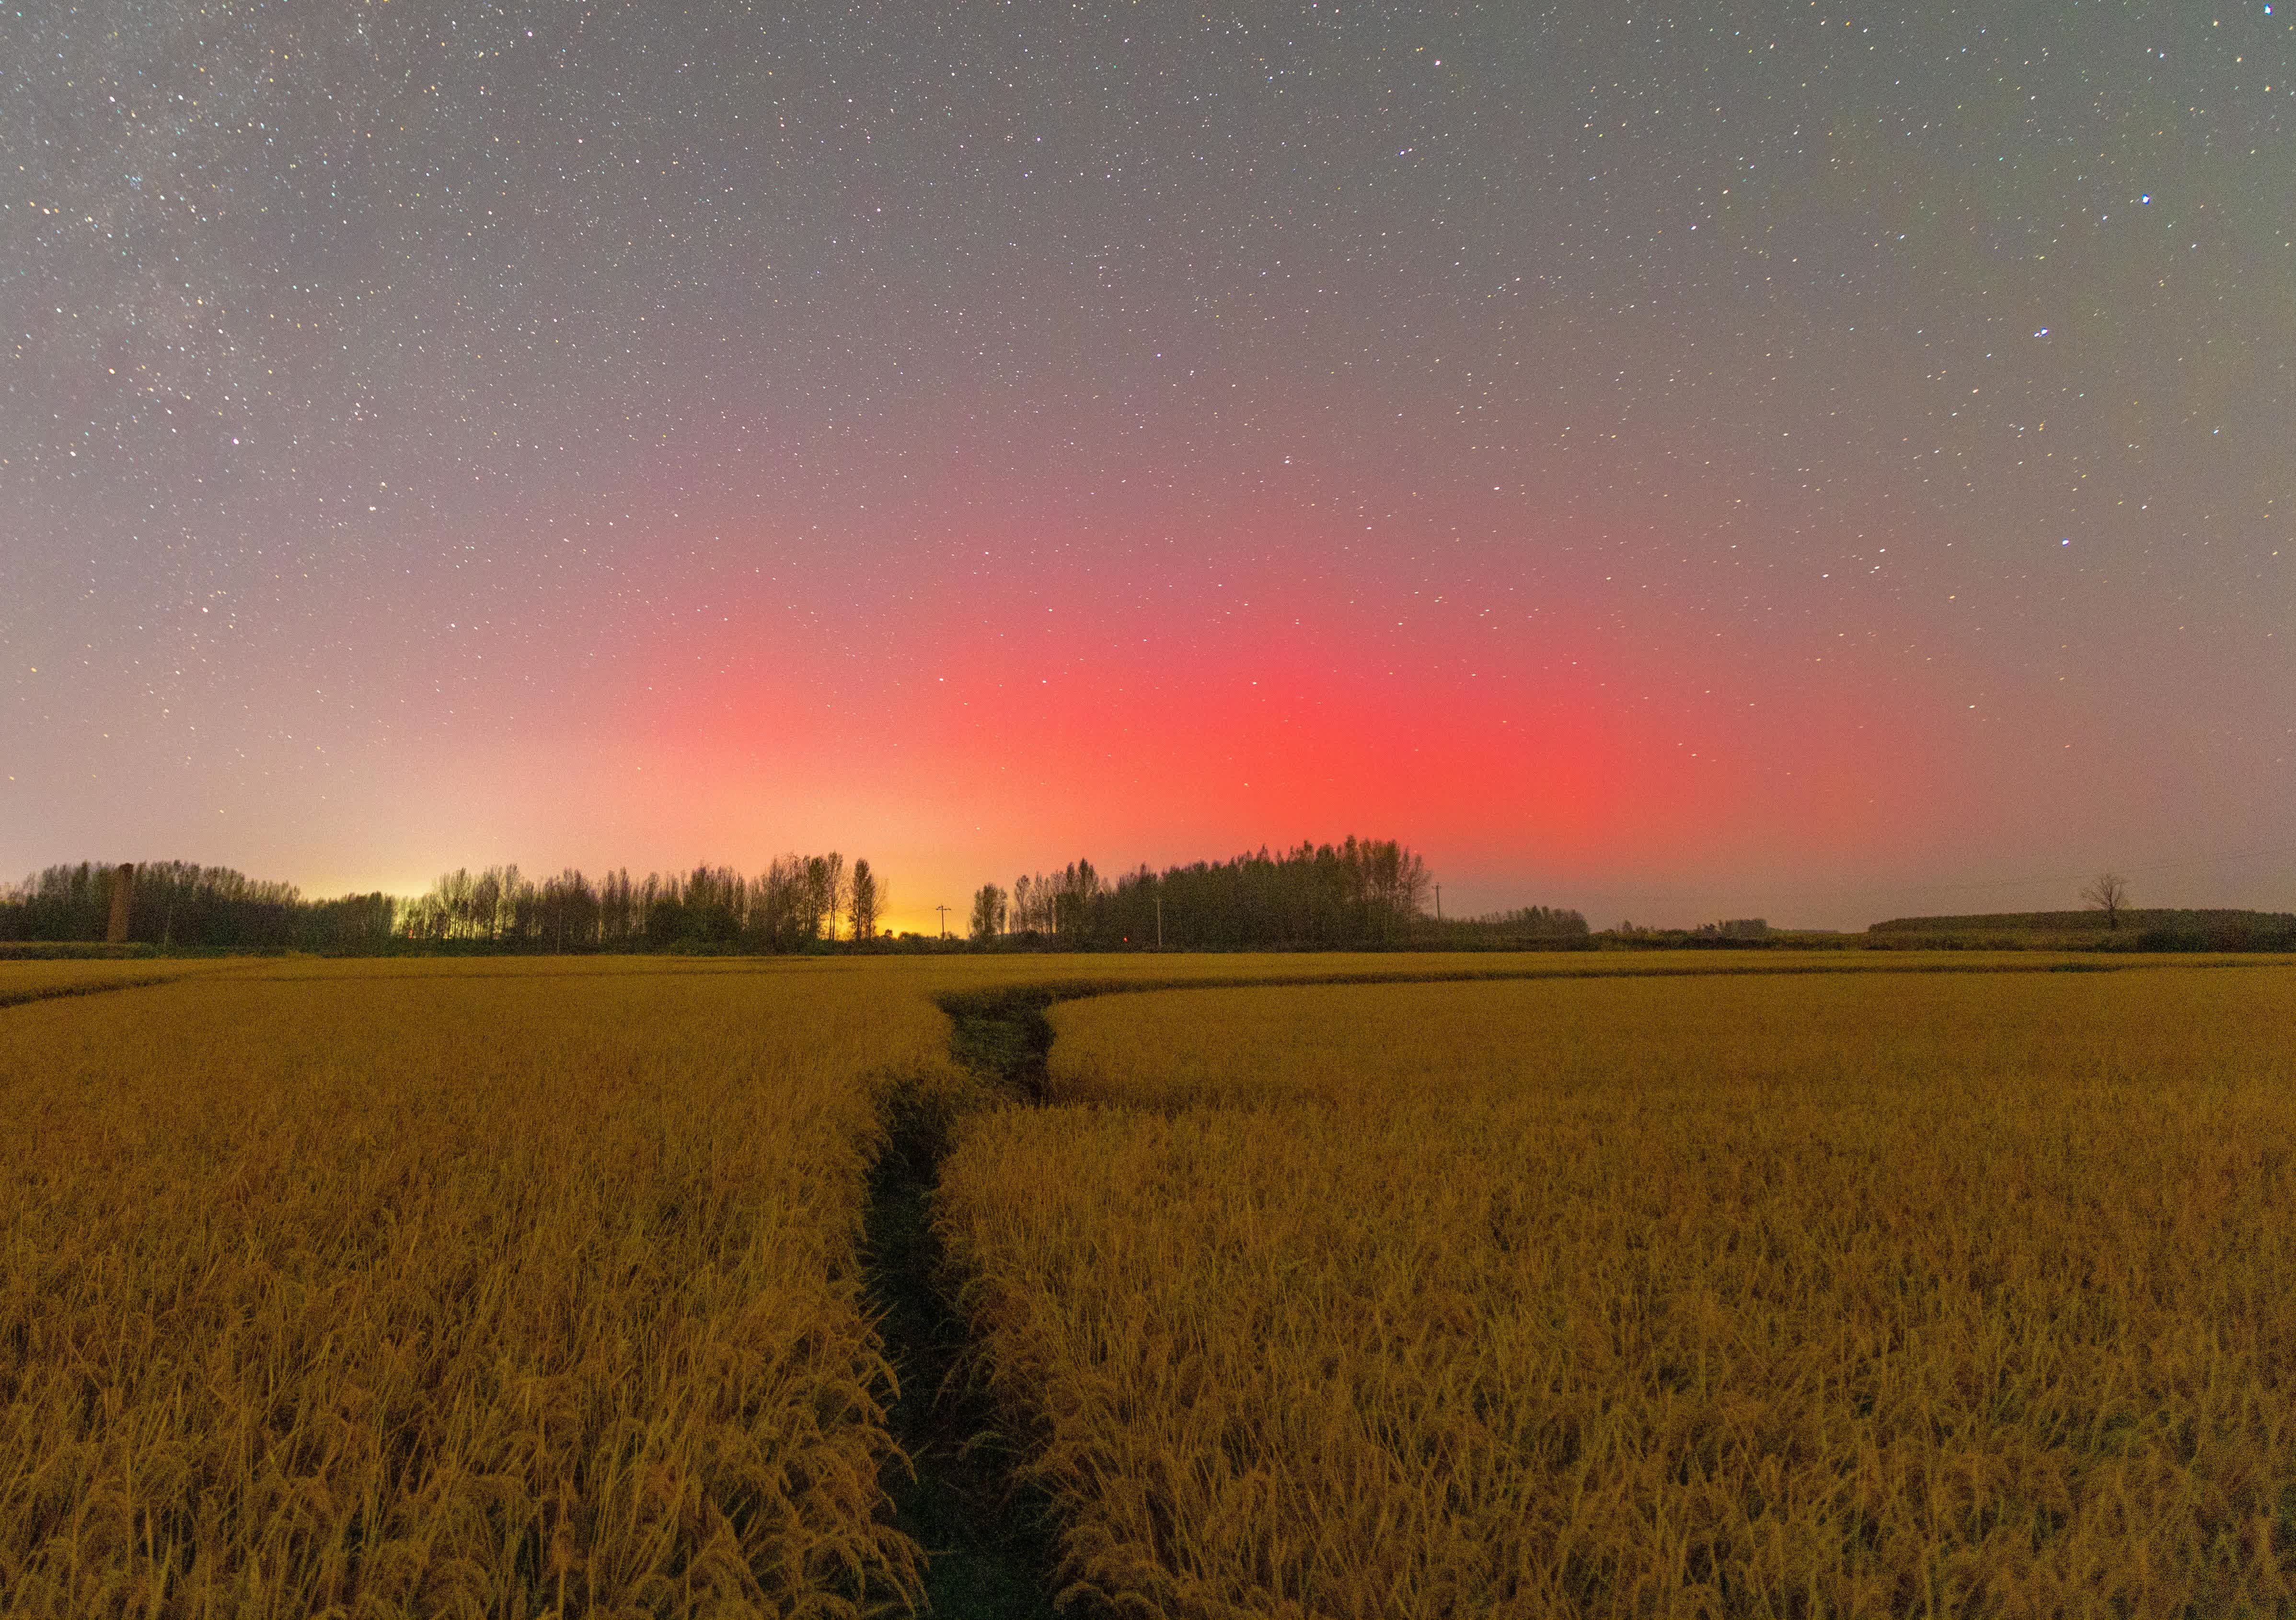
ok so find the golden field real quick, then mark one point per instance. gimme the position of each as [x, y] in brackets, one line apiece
[494, 1286]
[1671, 1284]
[1864, 1293]
[419, 1288]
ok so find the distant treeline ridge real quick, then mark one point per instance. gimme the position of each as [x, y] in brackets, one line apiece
[797, 901]
[178, 904]
[2129, 928]
[1359, 895]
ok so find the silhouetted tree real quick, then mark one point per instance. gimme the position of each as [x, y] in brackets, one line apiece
[2107, 892]
[1032, 904]
[864, 901]
[989, 912]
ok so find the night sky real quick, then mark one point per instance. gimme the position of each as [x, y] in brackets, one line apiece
[1813, 461]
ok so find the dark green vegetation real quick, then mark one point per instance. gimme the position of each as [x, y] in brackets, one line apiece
[2159, 929]
[1003, 1035]
[72, 951]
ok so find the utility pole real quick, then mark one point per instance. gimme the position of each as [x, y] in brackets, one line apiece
[1439, 903]
[944, 920]
[1159, 922]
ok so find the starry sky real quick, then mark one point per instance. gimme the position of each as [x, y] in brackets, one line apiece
[1809, 460]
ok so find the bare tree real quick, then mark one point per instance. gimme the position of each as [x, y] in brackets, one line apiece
[2107, 892]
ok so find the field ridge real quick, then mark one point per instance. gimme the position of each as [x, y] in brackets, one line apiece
[49, 992]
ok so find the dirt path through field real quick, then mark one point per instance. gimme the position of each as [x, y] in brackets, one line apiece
[988, 1540]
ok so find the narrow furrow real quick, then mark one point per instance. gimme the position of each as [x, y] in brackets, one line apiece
[988, 1540]
[50, 992]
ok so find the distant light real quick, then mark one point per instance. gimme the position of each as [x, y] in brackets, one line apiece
[2066, 541]
[2147, 197]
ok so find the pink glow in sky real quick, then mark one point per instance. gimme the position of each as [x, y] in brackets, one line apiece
[1841, 479]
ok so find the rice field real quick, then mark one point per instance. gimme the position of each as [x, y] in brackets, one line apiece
[411, 1289]
[1870, 1294]
[1760, 1285]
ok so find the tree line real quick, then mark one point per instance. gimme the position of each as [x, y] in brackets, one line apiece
[177, 903]
[1359, 895]
[797, 901]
